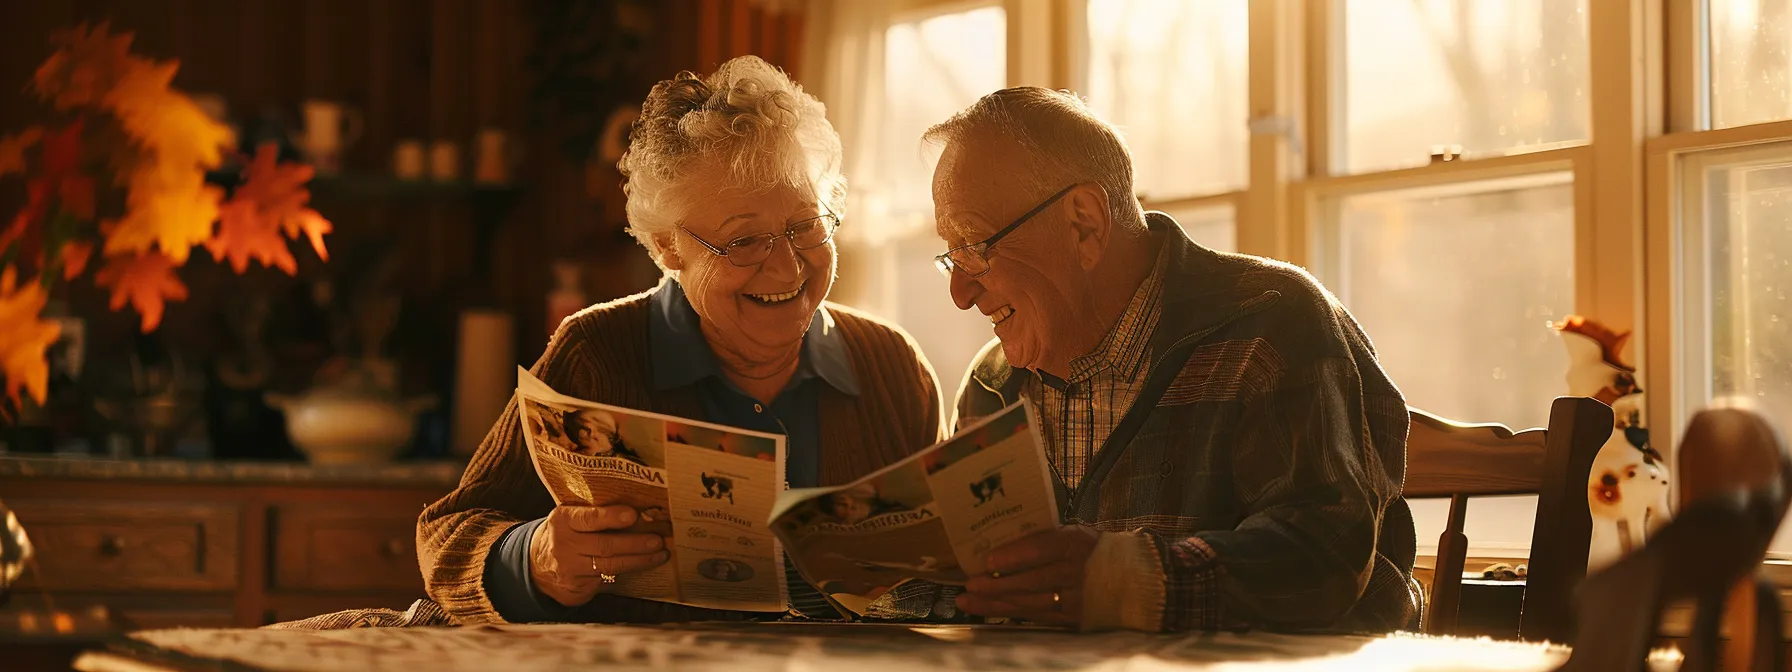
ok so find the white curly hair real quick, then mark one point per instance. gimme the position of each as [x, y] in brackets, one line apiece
[749, 116]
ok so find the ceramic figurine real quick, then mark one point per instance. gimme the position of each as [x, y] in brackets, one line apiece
[1736, 482]
[1627, 489]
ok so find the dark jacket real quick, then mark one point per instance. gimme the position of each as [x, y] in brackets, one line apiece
[1264, 458]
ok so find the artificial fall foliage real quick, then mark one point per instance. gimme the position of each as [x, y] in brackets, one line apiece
[117, 125]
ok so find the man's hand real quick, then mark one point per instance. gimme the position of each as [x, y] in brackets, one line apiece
[577, 546]
[1038, 577]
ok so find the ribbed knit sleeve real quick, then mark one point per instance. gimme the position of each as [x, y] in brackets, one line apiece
[897, 390]
[499, 490]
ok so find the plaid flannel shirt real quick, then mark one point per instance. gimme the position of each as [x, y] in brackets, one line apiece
[1082, 409]
[1261, 463]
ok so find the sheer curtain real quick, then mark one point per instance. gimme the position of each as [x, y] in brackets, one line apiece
[886, 72]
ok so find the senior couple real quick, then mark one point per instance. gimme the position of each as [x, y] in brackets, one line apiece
[1226, 449]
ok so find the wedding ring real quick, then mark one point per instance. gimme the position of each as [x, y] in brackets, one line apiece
[594, 563]
[606, 578]
[1056, 598]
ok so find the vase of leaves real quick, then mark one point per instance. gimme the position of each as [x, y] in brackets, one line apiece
[117, 194]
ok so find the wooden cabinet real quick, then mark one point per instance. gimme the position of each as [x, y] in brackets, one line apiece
[101, 545]
[213, 545]
[339, 548]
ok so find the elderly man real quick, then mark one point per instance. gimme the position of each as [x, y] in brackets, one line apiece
[1228, 452]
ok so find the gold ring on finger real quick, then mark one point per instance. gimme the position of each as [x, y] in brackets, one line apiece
[1057, 600]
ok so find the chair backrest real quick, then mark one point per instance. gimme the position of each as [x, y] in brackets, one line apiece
[1448, 459]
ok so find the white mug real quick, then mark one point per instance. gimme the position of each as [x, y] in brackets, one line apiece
[444, 161]
[329, 127]
[492, 161]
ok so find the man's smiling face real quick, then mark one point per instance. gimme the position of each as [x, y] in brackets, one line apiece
[1035, 288]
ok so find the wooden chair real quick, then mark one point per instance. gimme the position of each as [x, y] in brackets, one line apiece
[1458, 461]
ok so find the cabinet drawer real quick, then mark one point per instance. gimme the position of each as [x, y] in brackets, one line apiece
[339, 548]
[117, 545]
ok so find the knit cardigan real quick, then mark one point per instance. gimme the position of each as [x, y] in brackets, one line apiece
[601, 355]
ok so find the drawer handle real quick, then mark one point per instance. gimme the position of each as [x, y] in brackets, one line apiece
[394, 547]
[111, 546]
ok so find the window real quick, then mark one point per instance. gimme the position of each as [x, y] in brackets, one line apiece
[1211, 225]
[1487, 77]
[1458, 171]
[1456, 285]
[1455, 270]
[1751, 61]
[927, 66]
[933, 68]
[1173, 76]
[1739, 261]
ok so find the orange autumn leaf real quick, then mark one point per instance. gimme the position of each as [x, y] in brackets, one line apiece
[174, 129]
[169, 206]
[244, 234]
[74, 255]
[24, 337]
[87, 63]
[276, 196]
[146, 281]
[173, 216]
[314, 226]
[12, 149]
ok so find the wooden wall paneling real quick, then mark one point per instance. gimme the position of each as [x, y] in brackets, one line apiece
[490, 62]
[319, 31]
[791, 31]
[446, 124]
[205, 43]
[676, 24]
[741, 29]
[26, 47]
[771, 39]
[378, 74]
[709, 35]
[254, 88]
[252, 591]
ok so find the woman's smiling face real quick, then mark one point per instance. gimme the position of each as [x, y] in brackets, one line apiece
[757, 312]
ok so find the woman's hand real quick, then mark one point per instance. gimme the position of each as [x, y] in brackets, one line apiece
[577, 547]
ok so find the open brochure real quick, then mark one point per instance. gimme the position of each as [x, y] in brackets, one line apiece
[931, 517]
[717, 494]
[708, 489]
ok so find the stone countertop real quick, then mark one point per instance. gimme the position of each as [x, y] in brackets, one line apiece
[435, 473]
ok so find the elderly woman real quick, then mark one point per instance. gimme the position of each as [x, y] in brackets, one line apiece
[734, 187]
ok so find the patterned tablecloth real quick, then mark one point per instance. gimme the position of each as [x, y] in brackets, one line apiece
[792, 647]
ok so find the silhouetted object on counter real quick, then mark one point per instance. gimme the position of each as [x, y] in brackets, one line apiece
[151, 400]
[241, 424]
[1736, 481]
[15, 551]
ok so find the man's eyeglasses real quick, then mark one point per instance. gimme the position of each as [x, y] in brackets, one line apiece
[753, 250]
[973, 260]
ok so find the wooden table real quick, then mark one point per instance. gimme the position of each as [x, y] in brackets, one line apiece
[752, 647]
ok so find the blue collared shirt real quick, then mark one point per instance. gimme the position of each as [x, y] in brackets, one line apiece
[679, 356]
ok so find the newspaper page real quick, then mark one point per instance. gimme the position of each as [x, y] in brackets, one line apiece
[707, 488]
[932, 517]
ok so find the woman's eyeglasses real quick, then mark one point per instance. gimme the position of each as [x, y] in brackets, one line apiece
[973, 260]
[753, 250]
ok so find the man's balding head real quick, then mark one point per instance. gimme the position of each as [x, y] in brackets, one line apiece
[1065, 264]
[1055, 139]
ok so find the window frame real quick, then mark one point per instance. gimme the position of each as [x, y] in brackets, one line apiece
[1650, 99]
[1295, 83]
